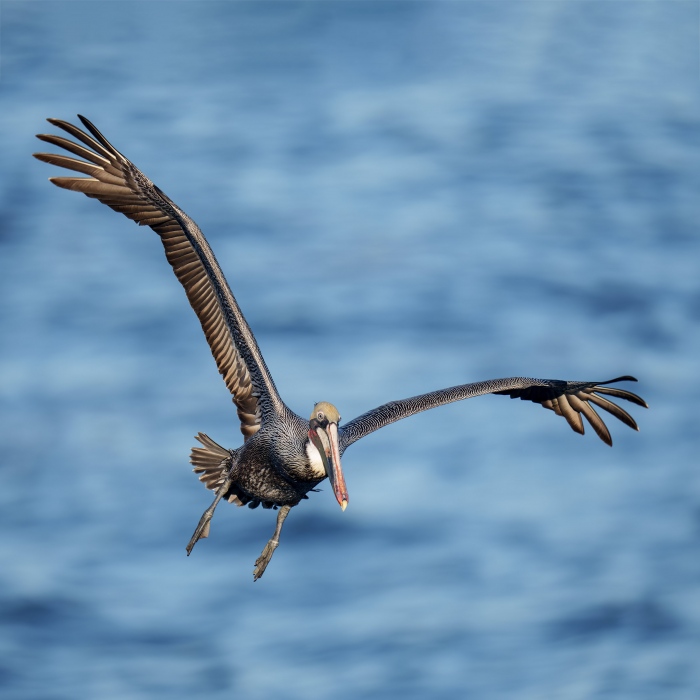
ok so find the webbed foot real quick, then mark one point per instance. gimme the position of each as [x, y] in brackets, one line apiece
[264, 559]
[202, 529]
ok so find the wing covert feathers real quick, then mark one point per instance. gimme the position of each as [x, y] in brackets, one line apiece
[116, 182]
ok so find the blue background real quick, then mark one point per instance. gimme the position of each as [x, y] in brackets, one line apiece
[404, 196]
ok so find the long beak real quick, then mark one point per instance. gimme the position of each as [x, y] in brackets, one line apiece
[326, 442]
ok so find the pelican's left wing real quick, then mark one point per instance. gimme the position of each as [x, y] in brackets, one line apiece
[568, 399]
[119, 184]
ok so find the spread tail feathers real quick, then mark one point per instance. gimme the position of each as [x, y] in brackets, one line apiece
[212, 463]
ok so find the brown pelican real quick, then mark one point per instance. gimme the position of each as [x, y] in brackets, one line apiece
[283, 456]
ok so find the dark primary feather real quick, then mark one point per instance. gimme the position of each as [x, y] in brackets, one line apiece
[567, 399]
[119, 184]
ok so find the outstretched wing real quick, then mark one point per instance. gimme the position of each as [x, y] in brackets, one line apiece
[119, 184]
[568, 399]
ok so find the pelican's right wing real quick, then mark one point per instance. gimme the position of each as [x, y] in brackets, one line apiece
[568, 399]
[119, 184]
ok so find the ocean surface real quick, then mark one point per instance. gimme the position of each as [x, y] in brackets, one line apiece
[404, 196]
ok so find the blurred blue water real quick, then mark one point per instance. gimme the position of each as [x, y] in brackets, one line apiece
[404, 196]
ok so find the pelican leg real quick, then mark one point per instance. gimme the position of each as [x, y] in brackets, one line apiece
[202, 529]
[264, 559]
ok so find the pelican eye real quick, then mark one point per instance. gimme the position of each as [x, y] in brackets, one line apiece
[320, 416]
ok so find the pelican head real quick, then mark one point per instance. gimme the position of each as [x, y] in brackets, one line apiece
[323, 434]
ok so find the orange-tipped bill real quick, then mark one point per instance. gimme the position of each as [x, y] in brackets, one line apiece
[326, 442]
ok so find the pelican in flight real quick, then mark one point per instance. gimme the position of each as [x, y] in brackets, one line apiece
[283, 456]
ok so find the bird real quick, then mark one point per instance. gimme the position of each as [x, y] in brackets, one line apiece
[283, 456]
